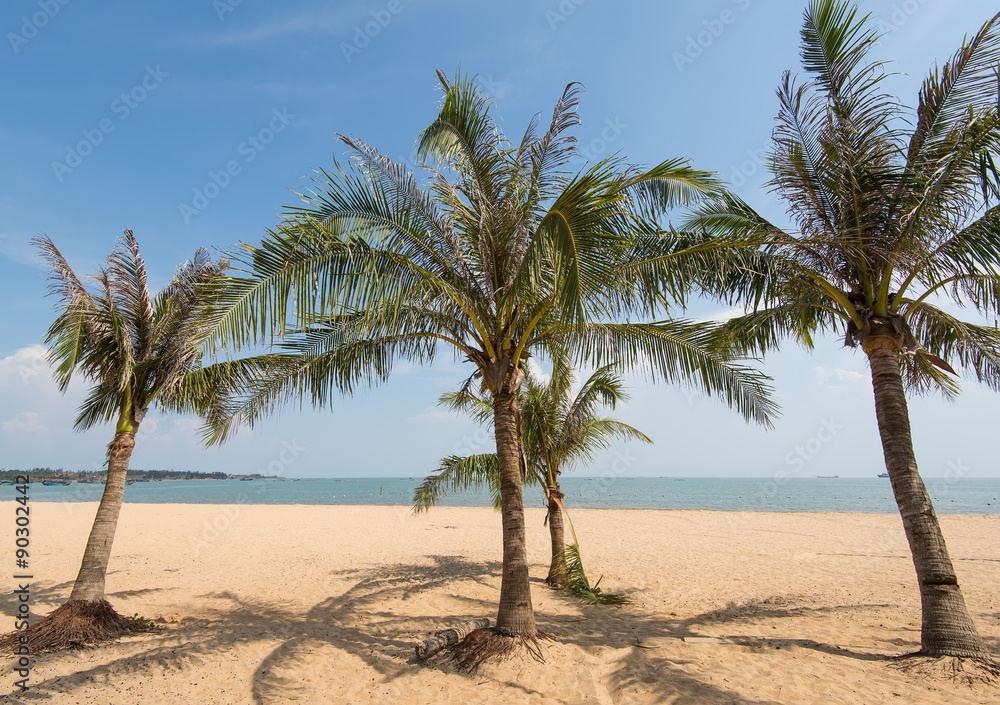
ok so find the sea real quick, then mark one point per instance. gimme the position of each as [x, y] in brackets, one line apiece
[867, 495]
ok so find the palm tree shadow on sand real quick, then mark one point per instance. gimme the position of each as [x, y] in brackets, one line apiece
[359, 643]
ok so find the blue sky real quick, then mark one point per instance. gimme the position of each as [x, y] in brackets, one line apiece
[192, 122]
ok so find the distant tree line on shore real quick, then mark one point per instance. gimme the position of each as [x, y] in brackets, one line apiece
[60, 474]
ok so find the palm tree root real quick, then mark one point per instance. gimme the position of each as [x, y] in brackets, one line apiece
[76, 623]
[554, 581]
[485, 645]
[969, 670]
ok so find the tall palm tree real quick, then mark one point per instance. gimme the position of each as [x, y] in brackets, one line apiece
[136, 349]
[559, 430]
[892, 216]
[500, 254]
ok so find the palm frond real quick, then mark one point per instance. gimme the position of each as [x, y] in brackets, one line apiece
[459, 474]
[574, 580]
[679, 351]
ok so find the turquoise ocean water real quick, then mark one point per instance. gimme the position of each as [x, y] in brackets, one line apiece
[874, 495]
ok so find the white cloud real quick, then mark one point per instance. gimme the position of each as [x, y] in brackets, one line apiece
[24, 366]
[724, 315]
[24, 422]
[535, 370]
[329, 22]
[837, 378]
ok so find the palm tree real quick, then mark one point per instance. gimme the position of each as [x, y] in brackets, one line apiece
[559, 430]
[498, 255]
[136, 349]
[888, 224]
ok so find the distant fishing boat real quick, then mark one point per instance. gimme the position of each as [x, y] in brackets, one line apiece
[49, 483]
[883, 474]
[246, 479]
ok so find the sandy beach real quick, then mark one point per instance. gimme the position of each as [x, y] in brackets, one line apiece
[319, 604]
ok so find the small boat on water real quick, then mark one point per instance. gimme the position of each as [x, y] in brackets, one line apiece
[883, 474]
[50, 483]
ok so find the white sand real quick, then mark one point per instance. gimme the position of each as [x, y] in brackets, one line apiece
[319, 604]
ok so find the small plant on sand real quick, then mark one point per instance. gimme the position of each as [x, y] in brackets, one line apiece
[141, 624]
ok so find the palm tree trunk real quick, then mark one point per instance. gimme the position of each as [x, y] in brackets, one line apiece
[947, 628]
[89, 583]
[557, 534]
[515, 615]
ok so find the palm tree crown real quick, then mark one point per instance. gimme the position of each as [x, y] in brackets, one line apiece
[500, 253]
[889, 221]
[558, 428]
[136, 348]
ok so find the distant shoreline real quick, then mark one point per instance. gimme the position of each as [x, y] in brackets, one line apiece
[969, 496]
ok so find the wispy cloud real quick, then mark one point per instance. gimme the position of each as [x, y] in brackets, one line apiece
[329, 21]
[837, 378]
[17, 249]
[434, 415]
[24, 422]
[724, 315]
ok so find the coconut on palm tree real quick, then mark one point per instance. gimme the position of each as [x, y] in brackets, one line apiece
[893, 215]
[501, 253]
[559, 429]
[136, 349]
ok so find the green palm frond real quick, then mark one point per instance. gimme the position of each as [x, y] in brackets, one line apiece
[976, 348]
[478, 406]
[574, 580]
[459, 474]
[679, 351]
[947, 95]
